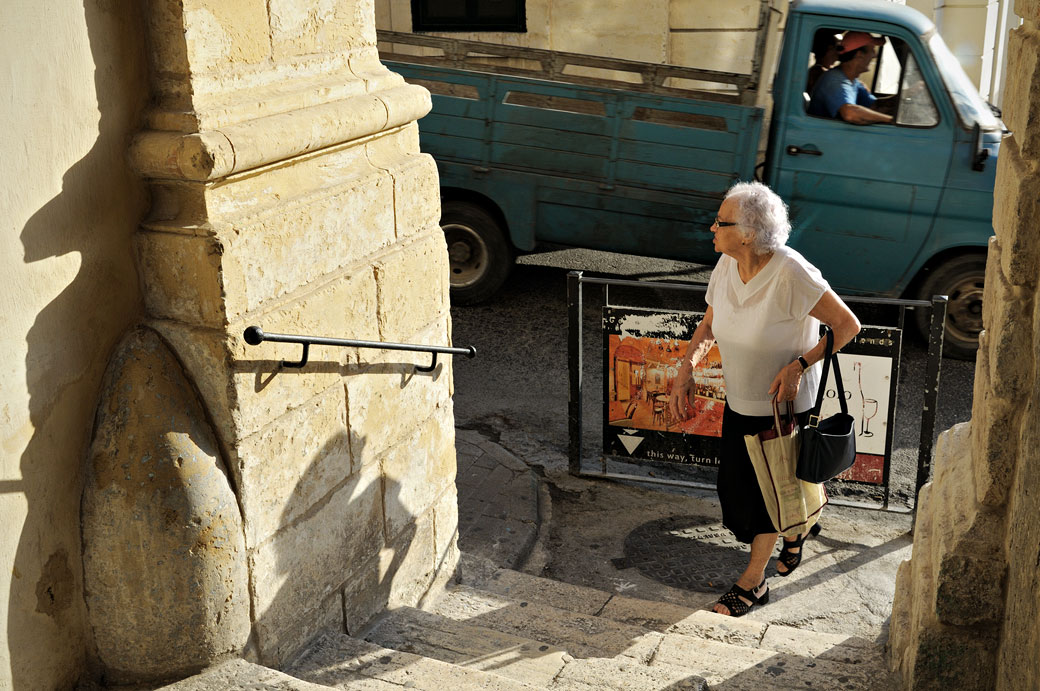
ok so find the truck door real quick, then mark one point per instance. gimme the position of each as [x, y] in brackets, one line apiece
[863, 197]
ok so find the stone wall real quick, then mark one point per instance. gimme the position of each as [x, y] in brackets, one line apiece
[656, 31]
[288, 192]
[967, 607]
[74, 84]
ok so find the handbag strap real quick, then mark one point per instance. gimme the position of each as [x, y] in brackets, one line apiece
[828, 357]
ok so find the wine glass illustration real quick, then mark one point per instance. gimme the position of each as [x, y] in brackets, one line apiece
[869, 406]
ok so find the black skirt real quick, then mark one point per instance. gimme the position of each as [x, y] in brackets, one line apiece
[743, 510]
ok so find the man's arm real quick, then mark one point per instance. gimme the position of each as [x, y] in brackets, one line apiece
[861, 115]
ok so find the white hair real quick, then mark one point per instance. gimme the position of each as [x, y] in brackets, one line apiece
[762, 215]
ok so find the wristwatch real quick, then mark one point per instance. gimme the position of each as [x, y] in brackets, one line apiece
[803, 362]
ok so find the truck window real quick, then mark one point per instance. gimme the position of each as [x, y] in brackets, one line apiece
[469, 15]
[916, 107]
[894, 78]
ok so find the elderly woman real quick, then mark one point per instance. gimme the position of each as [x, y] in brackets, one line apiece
[765, 305]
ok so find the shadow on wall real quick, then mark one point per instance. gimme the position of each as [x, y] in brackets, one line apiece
[334, 563]
[95, 215]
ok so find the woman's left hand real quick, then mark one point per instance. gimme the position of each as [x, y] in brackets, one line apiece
[785, 385]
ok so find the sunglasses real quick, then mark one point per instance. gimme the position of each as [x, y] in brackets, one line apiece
[723, 224]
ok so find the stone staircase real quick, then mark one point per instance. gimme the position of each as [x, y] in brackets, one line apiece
[503, 630]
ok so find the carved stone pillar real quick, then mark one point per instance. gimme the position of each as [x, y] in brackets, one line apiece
[288, 192]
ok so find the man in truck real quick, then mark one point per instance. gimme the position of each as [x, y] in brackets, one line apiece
[839, 93]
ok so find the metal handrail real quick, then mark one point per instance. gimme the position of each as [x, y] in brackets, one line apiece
[254, 335]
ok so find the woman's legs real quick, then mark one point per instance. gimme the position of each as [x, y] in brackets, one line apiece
[761, 549]
[780, 568]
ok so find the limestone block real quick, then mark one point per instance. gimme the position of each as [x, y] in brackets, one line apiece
[366, 592]
[293, 637]
[729, 51]
[413, 285]
[446, 526]
[1029, 10]
[164, 561]
[179, 156]
[293, 463]
[382, 8]
[412, 565]
[1007, 318]
[617, 28]
[386, 402]
[302, 27]
[1019, 665]
[1021, 110]
[400, 15]
[1016, 215]
[206, 356]
[418, 470]
[994, 448]
[899, 624]
[417, 195]
[954, 658]
[742, 14]
[278, 137]
[993, 420]
[298, 570]
[222, 32]
[365, 65]
[181, 277]
[970, 590]
[168, 52]
[307, 178]
[300, 243]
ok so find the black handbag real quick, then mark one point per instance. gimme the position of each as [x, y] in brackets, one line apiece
[828, 446]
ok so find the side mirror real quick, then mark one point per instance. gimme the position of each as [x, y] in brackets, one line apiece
[978, 154]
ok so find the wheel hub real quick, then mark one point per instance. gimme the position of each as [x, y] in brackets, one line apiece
[467, 254]
[964, 311]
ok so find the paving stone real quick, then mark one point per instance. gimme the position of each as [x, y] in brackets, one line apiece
[825, 646]
[239, 675]
[340, 661]
[626, 675]
[527, 588]
[581, 635]
[430, 635]
[732, 666]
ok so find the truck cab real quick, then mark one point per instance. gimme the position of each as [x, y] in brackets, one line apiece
[905, 205]
[536, 146]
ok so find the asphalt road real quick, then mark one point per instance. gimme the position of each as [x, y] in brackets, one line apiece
[518, 383]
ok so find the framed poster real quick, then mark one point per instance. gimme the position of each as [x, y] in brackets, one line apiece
[869, 369]
[643, 351]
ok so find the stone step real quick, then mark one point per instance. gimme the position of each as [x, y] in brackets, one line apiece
[533, 662]
[239, 675]
[590, 624]
[430, 635]
[667, 617]
[338, 661]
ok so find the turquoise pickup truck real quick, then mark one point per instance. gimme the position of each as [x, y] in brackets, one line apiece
[540, 147]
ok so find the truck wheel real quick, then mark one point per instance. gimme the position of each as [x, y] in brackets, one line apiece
[479, 256]
[960, 279]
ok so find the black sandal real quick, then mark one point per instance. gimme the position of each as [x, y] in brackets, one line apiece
[792, 559]
[736, 606]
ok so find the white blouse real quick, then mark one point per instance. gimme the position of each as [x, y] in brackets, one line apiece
[764, 324]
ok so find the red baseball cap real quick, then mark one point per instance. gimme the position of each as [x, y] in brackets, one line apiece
[854, 40]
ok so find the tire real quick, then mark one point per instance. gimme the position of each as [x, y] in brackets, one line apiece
[479, 256]
[960, 279]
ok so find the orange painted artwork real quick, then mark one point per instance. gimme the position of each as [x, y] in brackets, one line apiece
[641, 375]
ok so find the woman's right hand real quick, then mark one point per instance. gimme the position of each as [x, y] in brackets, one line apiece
[677, 400]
